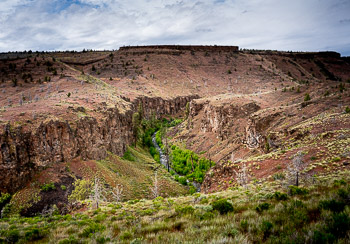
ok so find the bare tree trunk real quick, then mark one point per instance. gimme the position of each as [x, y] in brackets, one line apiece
[117, 193]
[297, 179]
[155, 187]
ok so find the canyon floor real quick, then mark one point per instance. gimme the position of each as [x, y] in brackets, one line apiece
[264, 132]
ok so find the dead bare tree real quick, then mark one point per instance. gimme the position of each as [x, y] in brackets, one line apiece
[117, 193]
[232, 157]
[155, 186]
[97, 195]
[242, 175]
[295, 168]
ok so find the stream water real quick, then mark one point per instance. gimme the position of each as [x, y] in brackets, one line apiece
[165, 162]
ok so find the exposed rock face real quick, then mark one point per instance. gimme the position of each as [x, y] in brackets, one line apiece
[55, 141]
[221, 120]
[253, 138]
[240, 124]
[159, 106]
[256, 130]
[23, 153]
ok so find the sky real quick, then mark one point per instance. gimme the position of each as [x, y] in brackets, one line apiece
[297, 25]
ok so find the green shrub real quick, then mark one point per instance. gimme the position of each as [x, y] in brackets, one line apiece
[12, 236]
[262, 206]
[336, 159]
[339, 182]
[223, 206]
[48, 187]
[63, 187]
[266, 228]
[230, 232]
[280, 196]
[92, 229]
[347, 109]
[35, 234]
[244, 225]
[344, 194]
[205, 216]
[102, 240]
[126, 235]
[339, 224]
[184, 210]
[153, 151]
[128, 156]
[6, 210]
[307, 97]
[297, 214]
[100, 217]
[182, 180]
[192, 190]
[341, 87]
[70, 240]
[278, 176]
[82, 189]
[5, 198]
[295, 190]
[322, 237]
[332, 205]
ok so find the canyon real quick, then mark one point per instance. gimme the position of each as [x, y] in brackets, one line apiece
[237, 107]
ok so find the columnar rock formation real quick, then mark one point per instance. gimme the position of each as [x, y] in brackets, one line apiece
[23, 153]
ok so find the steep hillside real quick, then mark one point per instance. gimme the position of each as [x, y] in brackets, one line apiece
[242, 109]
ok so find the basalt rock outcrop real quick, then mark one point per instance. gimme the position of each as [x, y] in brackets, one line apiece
[223, 120]
[158, 106]
[24, 153]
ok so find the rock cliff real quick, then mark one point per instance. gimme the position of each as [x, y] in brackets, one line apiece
[24, 153]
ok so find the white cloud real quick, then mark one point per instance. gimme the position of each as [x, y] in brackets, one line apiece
[7, 7]
[107, 24]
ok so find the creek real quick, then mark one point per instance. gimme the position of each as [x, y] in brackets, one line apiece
[164, 160]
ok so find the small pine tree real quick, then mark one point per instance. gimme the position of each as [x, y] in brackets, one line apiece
[347, 110]
[15, 82]
[307, 97]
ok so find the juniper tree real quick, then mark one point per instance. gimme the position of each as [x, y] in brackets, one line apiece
[15, 82]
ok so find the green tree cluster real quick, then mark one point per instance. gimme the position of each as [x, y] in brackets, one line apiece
[187, 163]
